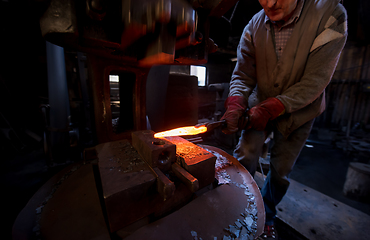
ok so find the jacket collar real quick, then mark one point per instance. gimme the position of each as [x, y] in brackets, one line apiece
[293, 18]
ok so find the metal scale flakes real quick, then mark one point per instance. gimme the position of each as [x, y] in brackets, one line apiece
[246, 227]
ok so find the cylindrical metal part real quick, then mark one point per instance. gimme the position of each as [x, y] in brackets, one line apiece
[58, 99]
[357, 184]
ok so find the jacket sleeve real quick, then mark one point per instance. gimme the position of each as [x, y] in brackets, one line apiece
[321, 63]
[243, 79]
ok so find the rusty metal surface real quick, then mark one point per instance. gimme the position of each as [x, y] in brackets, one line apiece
[234, 208]
[194, 159]
[156, 152]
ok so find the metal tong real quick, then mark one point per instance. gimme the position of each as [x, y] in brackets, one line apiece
[242, 124]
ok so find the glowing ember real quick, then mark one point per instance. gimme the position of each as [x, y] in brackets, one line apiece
[181, 131]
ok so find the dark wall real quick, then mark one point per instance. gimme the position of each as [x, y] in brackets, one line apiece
[22, 73]
[23, 67]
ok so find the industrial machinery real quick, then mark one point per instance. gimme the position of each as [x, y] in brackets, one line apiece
[131, 184]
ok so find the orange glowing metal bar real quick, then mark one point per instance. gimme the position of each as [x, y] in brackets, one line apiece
[181, 131]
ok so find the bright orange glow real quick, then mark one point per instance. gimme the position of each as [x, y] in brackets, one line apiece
[181, 131]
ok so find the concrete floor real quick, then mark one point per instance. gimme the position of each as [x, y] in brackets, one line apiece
[321, 166]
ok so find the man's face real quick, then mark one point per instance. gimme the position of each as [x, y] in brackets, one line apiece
[278, 10]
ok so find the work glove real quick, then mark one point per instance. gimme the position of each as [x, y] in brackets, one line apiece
[263, 112]
[235, 108]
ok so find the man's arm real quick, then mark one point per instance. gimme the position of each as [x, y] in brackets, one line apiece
[243, 79]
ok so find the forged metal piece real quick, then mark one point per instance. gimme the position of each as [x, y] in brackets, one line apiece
[194, 159]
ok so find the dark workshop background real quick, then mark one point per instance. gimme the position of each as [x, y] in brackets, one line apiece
[341, 134]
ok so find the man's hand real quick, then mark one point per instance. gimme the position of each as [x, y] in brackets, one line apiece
[235, 107]
[263, 112]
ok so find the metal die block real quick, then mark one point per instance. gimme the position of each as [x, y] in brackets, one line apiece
[196, 160]
[128, 183]
[156, 152]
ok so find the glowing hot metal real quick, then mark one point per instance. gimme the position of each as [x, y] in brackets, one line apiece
[182, 131]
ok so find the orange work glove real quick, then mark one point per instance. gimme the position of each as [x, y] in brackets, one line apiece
[263, 112]
[235, 107]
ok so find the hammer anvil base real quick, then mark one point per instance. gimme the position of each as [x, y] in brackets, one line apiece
[131, 189]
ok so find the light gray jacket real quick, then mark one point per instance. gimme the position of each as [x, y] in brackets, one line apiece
[298, 79]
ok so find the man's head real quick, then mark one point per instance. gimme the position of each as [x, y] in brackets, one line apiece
[278, 10]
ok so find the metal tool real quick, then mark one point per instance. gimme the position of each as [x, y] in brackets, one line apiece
[212, 125]
[242, 124]
[202, 127]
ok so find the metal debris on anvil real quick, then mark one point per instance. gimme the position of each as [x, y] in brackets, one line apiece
[194, 235]
[234, 231]
[240, 185]
[254, 212]
[248, 221]
[246, 228]
[247, 192]
[38, 210]
[244, 234]
[238, 223]
[221, 161]
[223, 177]
[252, 208]
[130, 163]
